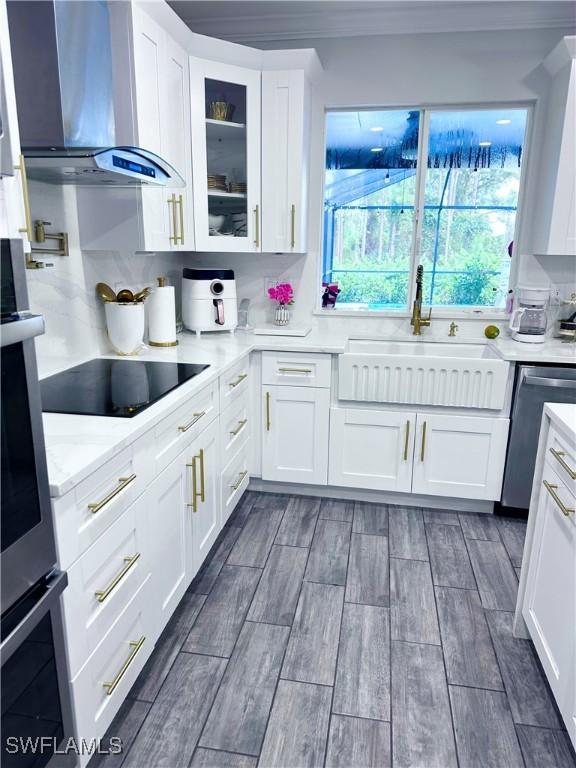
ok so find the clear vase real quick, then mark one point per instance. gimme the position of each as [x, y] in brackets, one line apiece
[282, 315]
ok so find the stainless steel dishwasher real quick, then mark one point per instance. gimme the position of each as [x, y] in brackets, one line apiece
[535, 385]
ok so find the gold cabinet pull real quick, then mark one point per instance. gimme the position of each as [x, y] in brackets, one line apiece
[239, 428]
[123, 482]
[406, 440]
[293, 226]
[423, 448]
[268, 423]
[196, 418]
[294, 370]
[202, 488]
[566, 511]
[239, 380]
[174, 233]
[102, 594]
[238, 482]
[559, 456]
[25, 197]
[257, 226]
[181, 209]
[194, 503]
[135, 645]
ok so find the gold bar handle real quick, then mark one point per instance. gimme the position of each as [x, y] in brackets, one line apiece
[181, 208]
[293, 226]
[194, 504]
[102, 594]
[113, 684]
[406, 440]
[239, 380]
[257, 226]
[195, 420]
[26, 197]
[294, 370]
[566, 511]
[239, 428]
[123, 483]
[423, 449]
[559, 456]
[238, 482]
[268, 423]
[173, 238]
[202, 489]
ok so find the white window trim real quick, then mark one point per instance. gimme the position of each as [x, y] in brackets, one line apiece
[470, 313]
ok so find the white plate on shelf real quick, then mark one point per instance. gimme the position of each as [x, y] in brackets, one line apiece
[281, 330]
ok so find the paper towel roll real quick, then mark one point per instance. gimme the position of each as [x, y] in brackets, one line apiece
[162, 316]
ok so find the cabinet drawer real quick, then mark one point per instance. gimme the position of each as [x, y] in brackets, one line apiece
[235, 428]
[235, 479]
[234, 382]
[296, 370]
[102, 684]
[176, 431]
[82, 515]
[561, 456]
[103, 581]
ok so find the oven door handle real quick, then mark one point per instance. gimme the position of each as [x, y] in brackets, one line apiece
[56, 584]
[545, 381]
[27, 327]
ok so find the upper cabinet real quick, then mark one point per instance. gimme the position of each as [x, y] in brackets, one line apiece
[555, 213]
[225, 108]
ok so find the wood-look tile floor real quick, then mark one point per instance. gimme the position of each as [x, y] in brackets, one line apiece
[332, 633]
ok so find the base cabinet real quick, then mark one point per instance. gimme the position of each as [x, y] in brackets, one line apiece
[203, 503]
[295, 433]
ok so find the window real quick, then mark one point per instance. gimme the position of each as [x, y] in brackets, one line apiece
[467, 193]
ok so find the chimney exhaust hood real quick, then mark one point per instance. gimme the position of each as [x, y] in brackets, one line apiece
[63, 75]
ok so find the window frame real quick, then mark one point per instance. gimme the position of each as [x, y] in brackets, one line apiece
[456, 311]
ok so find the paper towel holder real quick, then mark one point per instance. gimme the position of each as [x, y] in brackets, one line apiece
[162, 283]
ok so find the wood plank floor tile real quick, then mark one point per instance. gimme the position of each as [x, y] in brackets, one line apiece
[479, 526]
[543, 748]
[513, 533]
[356, 743]
[298, 727]
[468, 650]
[208, 758]
[368, 580]
[370, 518]
[239, 715]
[362, 686]
[158, 666]
[448, 556]
[277, 594]
[484, 729]
[125, 726]
[422, 732]
[220, 620]
[497, 582]
[443, 516]
[328, 561]
[253, 545]
[313, 644]
[169, 735]
[335, 509]
[204, 581]
[529, 697]
[412, 603]
[407, 537]
[299, 520]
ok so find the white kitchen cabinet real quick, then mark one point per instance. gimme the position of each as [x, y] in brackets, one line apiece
[226, 116]
[203, 503]
[371, 449]
[295, 432]
[459, 456]
[285, 144]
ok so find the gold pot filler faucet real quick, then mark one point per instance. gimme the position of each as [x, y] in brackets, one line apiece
[417, 321]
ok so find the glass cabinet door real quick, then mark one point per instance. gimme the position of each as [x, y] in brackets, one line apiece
[226, 156]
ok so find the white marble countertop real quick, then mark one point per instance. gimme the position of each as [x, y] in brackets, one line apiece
[563, 416]
[551, 351]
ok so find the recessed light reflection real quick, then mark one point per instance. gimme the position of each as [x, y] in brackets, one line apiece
[503, 122]
[376, 149]
[377, 128]
[484, 143]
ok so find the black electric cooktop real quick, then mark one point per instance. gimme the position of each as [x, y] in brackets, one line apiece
[108, 387]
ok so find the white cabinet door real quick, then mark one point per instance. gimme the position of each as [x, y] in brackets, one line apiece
[295, 432]
[285, 138]
[371, 449]
[225, 109]
[460, 456]
[203, 464]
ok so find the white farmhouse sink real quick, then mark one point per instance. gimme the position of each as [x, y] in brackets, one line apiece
[418, 372]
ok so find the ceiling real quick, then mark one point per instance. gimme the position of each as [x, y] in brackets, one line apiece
[260, 21]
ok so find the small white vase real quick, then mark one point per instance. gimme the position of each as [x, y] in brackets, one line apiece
[125, 324]
[282, 315]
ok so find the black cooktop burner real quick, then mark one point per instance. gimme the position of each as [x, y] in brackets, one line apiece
[108, 387]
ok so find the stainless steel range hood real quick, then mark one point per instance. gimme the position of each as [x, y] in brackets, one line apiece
[64, 82]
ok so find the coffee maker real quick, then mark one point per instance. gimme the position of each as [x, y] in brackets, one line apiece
[529, 317]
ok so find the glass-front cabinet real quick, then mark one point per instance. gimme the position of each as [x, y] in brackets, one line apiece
[225, 107]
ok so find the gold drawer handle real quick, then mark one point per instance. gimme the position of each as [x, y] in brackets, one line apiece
[173, 238]
[238, 482]
[113, 684]
[181, 207]
[195, 420]
[124, 481]
[566, 511]
[195, 492]
[559, 456]
[239, 380]
[268, 422]
[294, 370]
[102, 594]
[239, 428]
[406, 441]
[293, 226]
[423, 448]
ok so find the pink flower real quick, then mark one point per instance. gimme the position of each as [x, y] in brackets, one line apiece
[283, 293]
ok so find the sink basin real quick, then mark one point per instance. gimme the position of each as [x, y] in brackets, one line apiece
[421, 348]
